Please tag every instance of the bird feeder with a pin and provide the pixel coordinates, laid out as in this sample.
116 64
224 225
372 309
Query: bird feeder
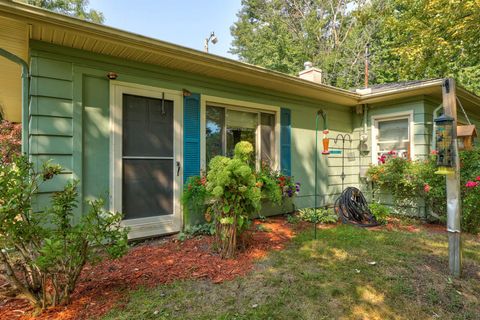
326 142
445 135
466 136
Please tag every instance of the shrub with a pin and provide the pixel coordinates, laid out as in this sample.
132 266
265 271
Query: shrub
10 140
275 186
380 212
44 252
194 199
410 180
232 185
319 215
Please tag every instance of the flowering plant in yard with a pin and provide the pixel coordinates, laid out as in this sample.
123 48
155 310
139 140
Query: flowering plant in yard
275 185
10 140
44 251
232 186
408 181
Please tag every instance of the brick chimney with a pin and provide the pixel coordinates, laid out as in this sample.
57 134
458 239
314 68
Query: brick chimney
310 73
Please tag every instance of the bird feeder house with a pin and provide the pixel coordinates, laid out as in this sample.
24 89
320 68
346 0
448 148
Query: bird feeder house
445 135
466 136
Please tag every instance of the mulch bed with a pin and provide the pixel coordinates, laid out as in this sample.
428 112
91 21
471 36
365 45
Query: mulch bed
105 285
164 260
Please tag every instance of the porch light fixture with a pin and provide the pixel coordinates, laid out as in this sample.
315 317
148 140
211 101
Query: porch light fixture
212 38
112 75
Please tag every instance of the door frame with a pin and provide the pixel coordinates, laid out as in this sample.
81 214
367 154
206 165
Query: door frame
157 225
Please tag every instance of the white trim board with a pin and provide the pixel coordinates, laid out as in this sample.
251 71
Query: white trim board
157 225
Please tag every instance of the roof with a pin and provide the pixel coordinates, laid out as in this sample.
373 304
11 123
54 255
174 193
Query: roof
75 33
466 131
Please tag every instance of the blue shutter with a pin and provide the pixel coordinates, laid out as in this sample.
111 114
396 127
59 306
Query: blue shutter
191 136
285 141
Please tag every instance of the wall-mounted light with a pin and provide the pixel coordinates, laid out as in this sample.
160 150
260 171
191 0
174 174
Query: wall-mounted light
112 75
186 93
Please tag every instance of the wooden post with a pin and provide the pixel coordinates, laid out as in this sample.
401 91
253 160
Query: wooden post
453 185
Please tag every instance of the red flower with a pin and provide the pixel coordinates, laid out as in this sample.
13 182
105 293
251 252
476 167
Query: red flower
471 184
426 187
477 178
434 152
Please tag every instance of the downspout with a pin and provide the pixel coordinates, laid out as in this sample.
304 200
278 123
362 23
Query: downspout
25 84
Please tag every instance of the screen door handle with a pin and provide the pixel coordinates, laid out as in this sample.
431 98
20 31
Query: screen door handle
178 168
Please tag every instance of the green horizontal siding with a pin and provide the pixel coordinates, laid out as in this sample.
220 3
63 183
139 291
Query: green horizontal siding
48 106
51 145
49 68
65 161
48 87
51 121
41 125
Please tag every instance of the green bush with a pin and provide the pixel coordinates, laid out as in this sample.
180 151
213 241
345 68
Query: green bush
44 252
380 212
194 199
233 187
408 181
319 215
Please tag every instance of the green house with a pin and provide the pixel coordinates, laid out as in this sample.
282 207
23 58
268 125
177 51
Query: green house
133 117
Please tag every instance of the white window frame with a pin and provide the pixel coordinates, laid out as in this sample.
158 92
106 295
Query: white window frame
388 117
156 225
240 105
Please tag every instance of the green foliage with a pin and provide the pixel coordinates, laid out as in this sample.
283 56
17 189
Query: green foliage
75 8
410 39
282 35
421 39
194 198
44 252
408 181
233 187
380 212
10 140
319 215
201 229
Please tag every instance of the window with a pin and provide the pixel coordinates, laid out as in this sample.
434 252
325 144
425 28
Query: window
392 135
225 127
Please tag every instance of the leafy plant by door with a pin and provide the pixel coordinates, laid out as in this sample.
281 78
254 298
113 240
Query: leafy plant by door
44 252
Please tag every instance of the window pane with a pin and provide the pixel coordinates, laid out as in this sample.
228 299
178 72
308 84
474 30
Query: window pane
241 126
393 135
267 125
215 122
393 130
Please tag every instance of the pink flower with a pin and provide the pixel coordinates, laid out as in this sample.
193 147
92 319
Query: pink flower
471 184
434 152
426 187
477 178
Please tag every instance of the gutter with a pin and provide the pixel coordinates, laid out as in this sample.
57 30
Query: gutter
25 84
367 98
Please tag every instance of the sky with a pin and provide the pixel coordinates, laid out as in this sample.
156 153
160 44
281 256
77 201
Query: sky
183 22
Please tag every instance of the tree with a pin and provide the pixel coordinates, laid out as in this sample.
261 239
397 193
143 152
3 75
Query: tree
421 39
75 8
410 39
282 35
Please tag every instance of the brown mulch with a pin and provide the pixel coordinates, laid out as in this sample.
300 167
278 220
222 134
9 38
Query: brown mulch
105 285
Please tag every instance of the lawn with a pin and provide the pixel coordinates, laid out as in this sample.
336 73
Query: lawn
348 273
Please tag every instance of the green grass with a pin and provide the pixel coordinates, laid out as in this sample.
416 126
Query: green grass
330 278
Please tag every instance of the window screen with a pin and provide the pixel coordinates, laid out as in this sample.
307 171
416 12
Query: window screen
393 135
